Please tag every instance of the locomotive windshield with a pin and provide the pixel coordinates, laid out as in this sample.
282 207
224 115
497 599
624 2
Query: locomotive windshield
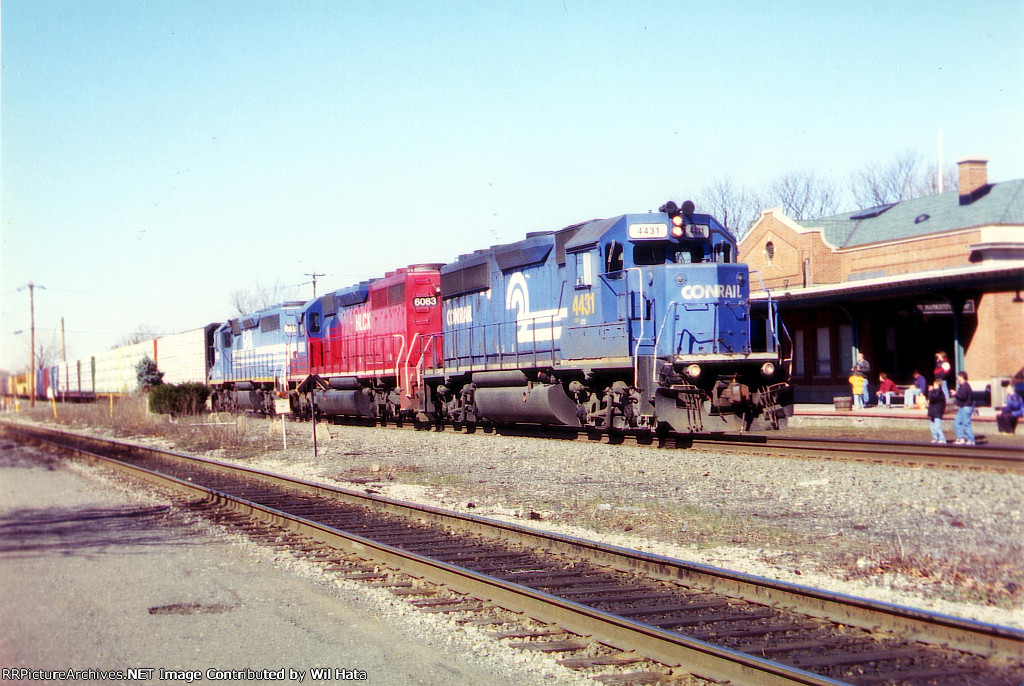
652 253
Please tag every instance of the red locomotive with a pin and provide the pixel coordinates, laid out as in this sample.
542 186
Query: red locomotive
366 346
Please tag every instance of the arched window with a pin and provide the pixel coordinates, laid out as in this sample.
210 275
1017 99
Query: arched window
769 251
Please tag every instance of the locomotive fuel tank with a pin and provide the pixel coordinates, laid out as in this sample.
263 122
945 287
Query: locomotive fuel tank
508 397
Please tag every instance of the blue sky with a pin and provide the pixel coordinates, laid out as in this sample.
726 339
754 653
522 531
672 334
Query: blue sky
158 156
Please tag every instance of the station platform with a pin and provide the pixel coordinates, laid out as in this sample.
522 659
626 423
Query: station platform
896 422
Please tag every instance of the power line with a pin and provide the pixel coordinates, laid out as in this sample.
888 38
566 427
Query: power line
313 275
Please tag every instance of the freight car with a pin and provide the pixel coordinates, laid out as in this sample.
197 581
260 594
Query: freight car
186 357
74 381
183 358
637 322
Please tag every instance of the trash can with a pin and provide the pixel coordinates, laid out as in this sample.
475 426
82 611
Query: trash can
843 403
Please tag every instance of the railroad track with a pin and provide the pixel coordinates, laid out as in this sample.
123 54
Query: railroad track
903 452
1006 458
600 604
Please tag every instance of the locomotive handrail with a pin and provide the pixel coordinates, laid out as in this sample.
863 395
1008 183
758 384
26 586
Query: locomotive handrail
771 313
405 367
672 306
398 362
639 338
536 356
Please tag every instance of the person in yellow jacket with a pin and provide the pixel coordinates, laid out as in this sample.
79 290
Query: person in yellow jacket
857 384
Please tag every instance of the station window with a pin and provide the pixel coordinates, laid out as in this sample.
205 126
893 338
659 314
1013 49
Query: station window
769 252
823 361
845 348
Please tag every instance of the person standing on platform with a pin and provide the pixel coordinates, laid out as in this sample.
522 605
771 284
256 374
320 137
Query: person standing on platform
936 408
886 390
863 368
857 383
965 408
941 372
920 387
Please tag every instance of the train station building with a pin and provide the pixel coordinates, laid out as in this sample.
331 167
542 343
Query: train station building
899 282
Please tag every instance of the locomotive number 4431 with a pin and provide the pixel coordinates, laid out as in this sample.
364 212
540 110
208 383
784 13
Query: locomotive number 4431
583 304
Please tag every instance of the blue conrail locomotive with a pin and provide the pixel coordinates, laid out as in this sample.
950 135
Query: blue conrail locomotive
640 322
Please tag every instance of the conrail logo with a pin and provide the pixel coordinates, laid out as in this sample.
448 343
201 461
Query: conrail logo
459 315
700 291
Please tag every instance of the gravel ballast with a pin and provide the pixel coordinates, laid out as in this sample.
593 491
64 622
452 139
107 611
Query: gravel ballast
947 540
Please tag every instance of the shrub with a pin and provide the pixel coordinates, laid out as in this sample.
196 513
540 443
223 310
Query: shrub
186 398
149 375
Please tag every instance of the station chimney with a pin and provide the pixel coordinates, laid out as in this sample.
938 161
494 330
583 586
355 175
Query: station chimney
973 182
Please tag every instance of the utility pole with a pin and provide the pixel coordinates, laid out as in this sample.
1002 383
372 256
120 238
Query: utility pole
313 276
32 315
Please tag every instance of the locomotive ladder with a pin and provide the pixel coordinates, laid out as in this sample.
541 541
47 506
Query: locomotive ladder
770 402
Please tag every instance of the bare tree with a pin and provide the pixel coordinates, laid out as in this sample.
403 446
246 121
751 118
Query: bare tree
247 301
927 182
47 353
736 207
803 195
143 332
881 183
902 178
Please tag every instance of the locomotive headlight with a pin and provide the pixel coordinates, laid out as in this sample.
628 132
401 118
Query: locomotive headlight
677 225
693 370
768 369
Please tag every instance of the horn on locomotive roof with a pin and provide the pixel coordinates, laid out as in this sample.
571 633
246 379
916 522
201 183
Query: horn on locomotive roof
672 209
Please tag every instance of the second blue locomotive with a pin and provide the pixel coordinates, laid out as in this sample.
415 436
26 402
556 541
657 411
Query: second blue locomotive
637 322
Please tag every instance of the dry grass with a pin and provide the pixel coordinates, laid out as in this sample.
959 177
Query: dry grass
129 417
